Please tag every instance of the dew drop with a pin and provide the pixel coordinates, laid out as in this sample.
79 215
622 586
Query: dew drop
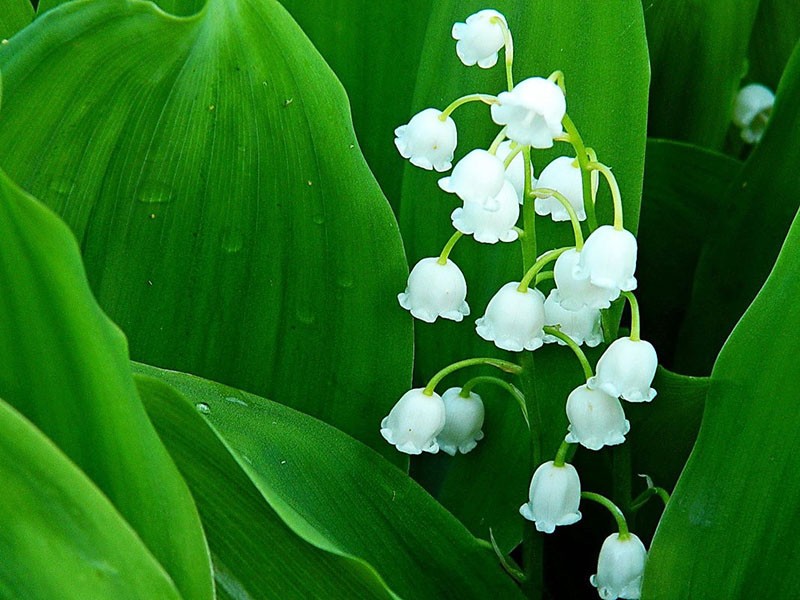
153 192
203 407
235 400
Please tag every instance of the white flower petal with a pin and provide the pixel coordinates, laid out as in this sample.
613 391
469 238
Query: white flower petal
554 497
435 290
463 422
620 568
533 111
626 370
480 38
427 141
513 319
414 422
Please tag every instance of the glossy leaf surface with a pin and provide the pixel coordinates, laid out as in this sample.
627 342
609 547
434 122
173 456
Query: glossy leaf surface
775 34
14 15
64 366
611 119
59 536
344 498
737 499
228 221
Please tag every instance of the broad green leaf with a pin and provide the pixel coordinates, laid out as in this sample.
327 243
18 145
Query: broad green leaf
698 52
65 366
743 243
374 48
59 536
175 7
228 221
342 497
14 15
607 99
775 34
684 193
732 529
255 554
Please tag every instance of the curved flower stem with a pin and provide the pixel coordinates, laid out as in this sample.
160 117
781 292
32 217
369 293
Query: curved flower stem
509 51
650 492
448 247
558 78
528 213
503 365
615 193
515 149
561 455
556 332
635 320
586 177
544 276
498 140
622 524
545 258
485 98
573 216
501 383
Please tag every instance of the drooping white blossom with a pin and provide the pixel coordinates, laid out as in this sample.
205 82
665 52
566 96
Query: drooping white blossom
427 141
515 172
489 226
626 370
576 292
563 175
595 419
478 177
480 38
463 422
608 260
435 290
533 111
582 325
513 319
414 422
751 111
620 568
554 497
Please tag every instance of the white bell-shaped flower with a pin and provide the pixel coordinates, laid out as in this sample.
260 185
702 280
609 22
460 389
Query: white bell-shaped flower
435 290
608 260
533 111
414 422
620 568
462 423
554 497
427 141
515 172
582 325
478 177
564 175
751 111
480 38
513 319
595 419
489 226
626 370
578 292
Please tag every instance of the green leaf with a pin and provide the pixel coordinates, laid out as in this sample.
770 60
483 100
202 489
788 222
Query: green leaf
64 366
775 34
59 536
684 194
737 499
255 554
344 498
743 243
374 48
698 57
228 221
612 119
14 15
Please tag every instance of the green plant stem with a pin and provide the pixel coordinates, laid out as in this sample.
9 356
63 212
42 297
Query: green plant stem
544 276
556 332
497 141
503 365
615 193
509 51
528 215
622 524
485 98
645 496
621 477
586 176
448 247
501 383
635 319
561 455
515 149
573 216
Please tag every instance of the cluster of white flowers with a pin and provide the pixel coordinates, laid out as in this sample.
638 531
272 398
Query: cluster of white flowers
494 186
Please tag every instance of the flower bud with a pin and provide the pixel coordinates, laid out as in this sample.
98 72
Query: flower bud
582 325
564 175
414 422
513 319
480 38
478 177
751 111
533 111
435 290
608 260
595 419
515 173
578 292
427 141
554 497
626 370
489 226
620 568
462 423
